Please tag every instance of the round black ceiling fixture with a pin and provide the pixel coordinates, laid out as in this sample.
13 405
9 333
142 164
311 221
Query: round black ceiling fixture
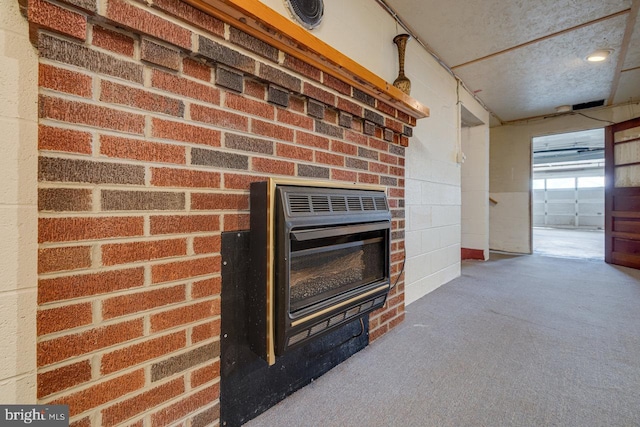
307 12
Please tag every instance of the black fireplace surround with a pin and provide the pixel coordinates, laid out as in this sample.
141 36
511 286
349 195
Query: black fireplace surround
322 254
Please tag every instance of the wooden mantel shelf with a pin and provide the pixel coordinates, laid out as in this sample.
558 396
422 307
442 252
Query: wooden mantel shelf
262 22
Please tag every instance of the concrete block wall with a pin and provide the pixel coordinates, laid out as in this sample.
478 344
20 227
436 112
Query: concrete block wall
153 121
18 207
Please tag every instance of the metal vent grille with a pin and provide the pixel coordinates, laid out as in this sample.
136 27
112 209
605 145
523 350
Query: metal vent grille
320 204
317 202
307 12
299 204
338 204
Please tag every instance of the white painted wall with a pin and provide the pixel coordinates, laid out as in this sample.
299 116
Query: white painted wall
364 31
18 207
510 175
475 189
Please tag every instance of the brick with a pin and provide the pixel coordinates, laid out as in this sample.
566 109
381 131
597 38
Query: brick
368 178
184 361
319 94
255 89
219 201
67 346
185 133
183 315
208 417
184 269
64 199
63 318
350 107
367 154
83 57
345 120
200 156
250 106
166 177
385 108
59 139
142 402
296 103
253 44
141 301
205 374
201 399
331 116
343 147
301 67
358 138
404 141
394 149
182 224
208 287
88 5
369 128
271 130
116 200
294 152
407 131
279 78
393 125
122 253
240 182
196 69
329 158
219 117
388 181
185 87
405 118
206 245
364 97
388 135
357 163
88 228
69 287
379 144
246 143
312 140
389 159
90 115
157 54
140 149
71 170
64 378
138 98
313 171
396 171
230 80
315 109
52 17
224 55
336 84
112 40
191 15
64 258
330 130
342 175
278 167
278 96
138 19
102 393
235 222
62 80
294 119
83 422
205 331
138 353
378 168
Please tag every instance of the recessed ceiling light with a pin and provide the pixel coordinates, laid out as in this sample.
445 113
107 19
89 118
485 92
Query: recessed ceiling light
599 55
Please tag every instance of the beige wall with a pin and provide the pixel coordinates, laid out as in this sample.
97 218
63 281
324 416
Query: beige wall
510 164
18 210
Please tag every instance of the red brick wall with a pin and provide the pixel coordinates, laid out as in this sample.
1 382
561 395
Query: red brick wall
153 123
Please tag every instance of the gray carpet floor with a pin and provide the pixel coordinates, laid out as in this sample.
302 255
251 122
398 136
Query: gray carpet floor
515 341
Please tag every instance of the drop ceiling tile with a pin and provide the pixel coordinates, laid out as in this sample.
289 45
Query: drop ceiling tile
628 87
632 59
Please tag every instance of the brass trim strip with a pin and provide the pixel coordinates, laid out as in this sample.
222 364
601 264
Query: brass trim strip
271 352
333 307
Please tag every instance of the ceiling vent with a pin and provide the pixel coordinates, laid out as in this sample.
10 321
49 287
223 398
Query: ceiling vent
586 105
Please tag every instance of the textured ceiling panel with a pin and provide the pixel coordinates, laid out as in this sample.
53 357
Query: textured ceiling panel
460 31
632 59
525 82
629 87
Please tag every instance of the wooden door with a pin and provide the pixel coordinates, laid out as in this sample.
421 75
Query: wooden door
622 194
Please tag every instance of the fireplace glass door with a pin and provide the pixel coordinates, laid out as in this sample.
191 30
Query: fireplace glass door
335 260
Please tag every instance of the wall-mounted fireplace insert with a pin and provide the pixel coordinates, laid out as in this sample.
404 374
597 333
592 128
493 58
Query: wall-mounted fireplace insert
326 255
